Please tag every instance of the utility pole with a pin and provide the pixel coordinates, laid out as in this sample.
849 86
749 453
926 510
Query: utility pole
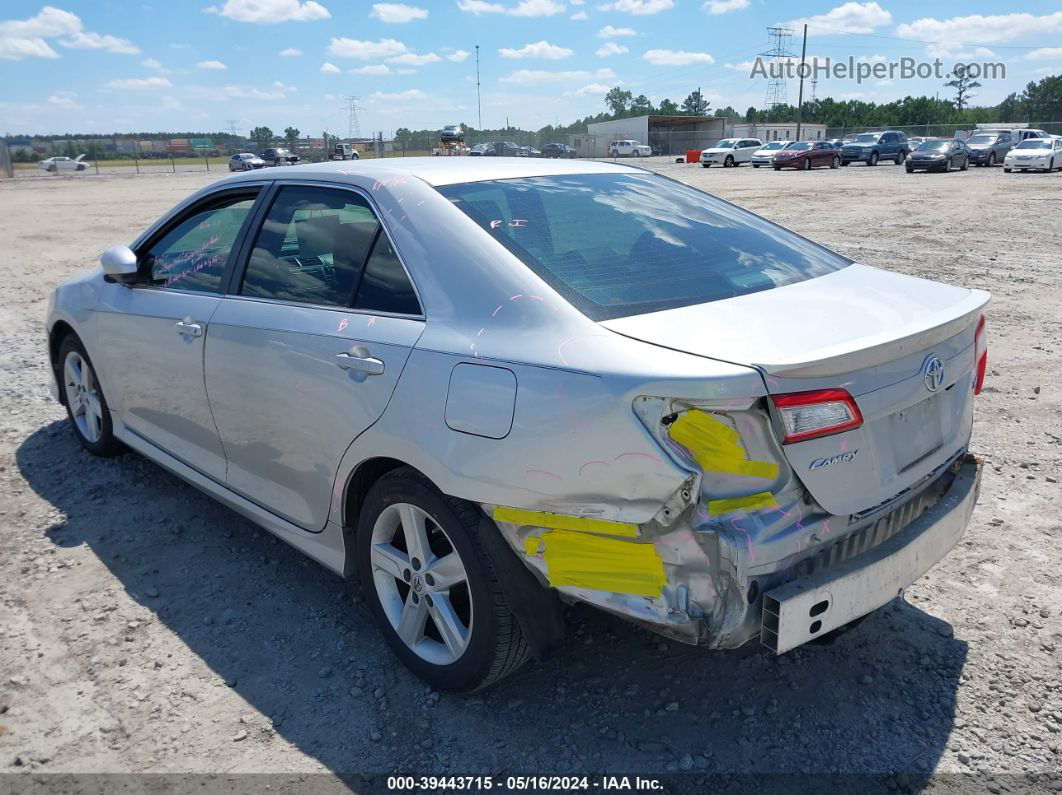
800 95
232 127
479 104
779 53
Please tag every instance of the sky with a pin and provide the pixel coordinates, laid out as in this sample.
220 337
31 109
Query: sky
194 65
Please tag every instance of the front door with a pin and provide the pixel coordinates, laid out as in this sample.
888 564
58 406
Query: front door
152 334
305 356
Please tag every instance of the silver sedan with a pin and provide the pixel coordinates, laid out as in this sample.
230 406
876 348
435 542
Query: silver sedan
488 387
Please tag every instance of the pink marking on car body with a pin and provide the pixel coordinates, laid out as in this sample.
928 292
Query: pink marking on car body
591 463
650 456
372 321
748 540
343 324
544 472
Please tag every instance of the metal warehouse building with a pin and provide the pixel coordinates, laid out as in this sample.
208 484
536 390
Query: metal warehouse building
674 135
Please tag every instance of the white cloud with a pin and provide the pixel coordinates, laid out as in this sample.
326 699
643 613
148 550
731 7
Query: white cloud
609 32
955 32
65 100
525 8
413 59
139 84
638 7
589 88
676 57
366 50
269 12
530 77
290 52
848 18
610 48
372 69
97 41
279 91
380 96
151 63
725 6
212 65
397 13
330 68
1044 53
538 49
169 103
457 56
579 15
25 38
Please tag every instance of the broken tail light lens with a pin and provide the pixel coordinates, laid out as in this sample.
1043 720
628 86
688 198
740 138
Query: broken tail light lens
980 355
809 415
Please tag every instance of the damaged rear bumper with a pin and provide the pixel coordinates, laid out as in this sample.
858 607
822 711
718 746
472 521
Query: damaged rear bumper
810 607
700 583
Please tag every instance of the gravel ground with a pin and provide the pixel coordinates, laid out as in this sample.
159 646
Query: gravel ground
144 628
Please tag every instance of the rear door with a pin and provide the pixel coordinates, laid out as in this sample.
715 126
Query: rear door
306 349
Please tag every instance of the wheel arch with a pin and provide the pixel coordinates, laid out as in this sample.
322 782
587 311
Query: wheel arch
59 331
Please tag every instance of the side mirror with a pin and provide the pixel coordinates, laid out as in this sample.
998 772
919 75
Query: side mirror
119 264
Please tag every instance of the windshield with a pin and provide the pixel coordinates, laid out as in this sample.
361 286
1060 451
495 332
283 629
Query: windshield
624 244
1034 143
865 138
774 145
982 139
933 145
800 145
726 143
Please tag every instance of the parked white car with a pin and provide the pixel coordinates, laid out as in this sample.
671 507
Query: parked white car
765 156
1044 154
731 152
247 161
629 149
54 165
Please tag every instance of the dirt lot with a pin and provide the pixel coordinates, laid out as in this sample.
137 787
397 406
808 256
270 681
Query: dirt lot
145 628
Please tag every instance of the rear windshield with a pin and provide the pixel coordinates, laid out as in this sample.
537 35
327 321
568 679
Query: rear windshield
624 244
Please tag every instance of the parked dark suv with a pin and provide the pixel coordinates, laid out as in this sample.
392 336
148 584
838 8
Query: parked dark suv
279 157
872 147
989 148
557 150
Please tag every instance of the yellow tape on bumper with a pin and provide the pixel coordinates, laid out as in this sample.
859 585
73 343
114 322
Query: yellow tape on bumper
753 502
717 447
600 564
558 521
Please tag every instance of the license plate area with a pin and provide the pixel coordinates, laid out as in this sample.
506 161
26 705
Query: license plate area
918 430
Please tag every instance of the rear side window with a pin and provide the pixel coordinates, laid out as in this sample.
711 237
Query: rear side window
385 286
624 244
312 247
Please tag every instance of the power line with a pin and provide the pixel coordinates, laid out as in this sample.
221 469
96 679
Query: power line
232 126
353 125
777 93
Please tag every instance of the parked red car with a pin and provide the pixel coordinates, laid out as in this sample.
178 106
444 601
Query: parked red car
806 155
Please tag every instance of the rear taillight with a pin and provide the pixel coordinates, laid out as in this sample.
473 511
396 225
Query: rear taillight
980 355
809 415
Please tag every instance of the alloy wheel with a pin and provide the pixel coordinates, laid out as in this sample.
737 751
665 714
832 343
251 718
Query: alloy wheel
83 397
421 583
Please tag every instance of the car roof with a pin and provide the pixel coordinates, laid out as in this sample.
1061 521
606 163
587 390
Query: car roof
437 171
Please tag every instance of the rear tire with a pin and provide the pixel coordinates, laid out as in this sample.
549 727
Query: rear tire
459 637
86 405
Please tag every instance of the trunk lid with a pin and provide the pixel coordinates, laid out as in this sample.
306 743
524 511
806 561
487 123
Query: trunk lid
868 331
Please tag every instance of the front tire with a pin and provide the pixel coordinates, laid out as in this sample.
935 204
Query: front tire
86 405
901 157
807 164
433 590
729 162
1006 170
835 162
965 164
873 161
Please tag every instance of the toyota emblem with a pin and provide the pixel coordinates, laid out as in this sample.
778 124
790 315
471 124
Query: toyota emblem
933 373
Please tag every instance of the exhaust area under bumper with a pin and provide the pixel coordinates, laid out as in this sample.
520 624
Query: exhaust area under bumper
809 607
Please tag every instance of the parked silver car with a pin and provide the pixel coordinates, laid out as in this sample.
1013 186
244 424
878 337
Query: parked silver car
491 386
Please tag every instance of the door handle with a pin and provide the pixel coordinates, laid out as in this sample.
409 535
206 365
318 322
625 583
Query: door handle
188 328
358 360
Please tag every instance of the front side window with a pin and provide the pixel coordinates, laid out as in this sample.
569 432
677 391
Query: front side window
193 254
311 247
624 244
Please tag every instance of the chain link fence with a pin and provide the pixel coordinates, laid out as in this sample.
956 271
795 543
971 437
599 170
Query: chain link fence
960 130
